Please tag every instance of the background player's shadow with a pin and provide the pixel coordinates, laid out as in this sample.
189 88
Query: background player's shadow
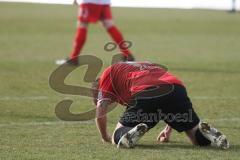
178 145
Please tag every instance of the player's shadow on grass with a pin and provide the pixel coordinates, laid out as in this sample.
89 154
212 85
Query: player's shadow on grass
176 145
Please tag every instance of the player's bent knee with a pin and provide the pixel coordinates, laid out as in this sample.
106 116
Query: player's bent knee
82 24
118 133
107 23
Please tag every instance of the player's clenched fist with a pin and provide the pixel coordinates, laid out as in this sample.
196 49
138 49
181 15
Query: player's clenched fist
165 134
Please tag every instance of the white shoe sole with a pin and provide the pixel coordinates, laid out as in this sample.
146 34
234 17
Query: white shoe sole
130 138
217 138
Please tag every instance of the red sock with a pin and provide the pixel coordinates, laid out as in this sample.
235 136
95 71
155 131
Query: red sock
118 38
80 38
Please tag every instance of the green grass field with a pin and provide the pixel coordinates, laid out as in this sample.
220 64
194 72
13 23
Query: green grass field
201 47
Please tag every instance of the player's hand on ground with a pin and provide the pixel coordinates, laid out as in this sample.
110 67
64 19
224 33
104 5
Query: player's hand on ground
107 139
164 135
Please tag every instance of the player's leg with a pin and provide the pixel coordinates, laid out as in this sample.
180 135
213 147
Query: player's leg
118 38
205 135
79 40
138 118
128 136
129 128
87 14
84 18
119 131
186 120
114 32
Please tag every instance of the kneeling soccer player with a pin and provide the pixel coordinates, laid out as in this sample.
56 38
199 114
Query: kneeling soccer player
150 94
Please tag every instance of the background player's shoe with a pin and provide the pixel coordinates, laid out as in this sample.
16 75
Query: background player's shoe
212 134
68 61
130 138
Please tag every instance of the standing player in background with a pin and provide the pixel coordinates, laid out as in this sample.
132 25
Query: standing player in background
92 11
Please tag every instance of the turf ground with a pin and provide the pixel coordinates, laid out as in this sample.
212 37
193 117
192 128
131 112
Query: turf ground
201 47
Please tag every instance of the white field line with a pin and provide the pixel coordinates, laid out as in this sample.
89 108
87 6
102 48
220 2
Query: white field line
214 98
58 123
18 98
54 123
235 119
29 98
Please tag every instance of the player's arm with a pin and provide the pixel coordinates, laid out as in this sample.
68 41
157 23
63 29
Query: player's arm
165 134
101 119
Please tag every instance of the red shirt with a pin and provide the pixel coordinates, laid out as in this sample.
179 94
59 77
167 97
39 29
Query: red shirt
121 81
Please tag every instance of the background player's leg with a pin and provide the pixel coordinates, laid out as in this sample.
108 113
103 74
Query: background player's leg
80 38
117 37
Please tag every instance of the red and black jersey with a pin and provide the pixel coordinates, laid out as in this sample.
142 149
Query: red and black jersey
121 81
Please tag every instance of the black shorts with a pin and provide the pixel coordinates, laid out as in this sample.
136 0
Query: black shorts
174 108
